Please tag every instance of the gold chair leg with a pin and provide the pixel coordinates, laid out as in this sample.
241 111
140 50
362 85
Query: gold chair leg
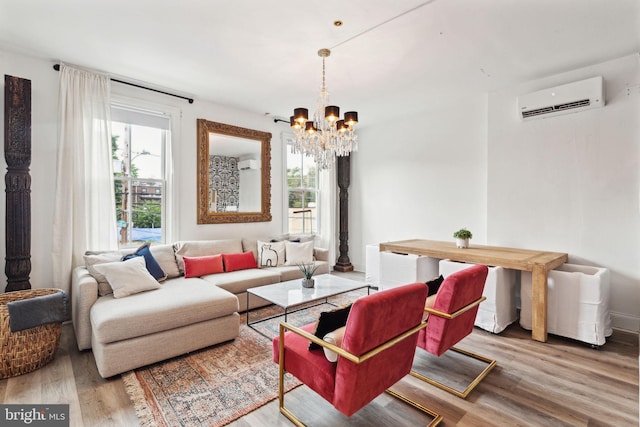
437 418
491 363
284 411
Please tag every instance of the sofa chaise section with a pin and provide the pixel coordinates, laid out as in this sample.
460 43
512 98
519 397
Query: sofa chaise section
182 316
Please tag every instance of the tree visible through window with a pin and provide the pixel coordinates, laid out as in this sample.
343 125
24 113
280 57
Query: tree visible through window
302 193
138 158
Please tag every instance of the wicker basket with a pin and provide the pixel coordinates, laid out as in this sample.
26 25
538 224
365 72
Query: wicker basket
30 349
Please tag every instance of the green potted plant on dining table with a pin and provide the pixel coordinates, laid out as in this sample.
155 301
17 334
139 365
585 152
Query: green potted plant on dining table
462 237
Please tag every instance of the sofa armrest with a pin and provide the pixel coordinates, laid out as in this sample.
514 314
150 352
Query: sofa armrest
84 293
321 254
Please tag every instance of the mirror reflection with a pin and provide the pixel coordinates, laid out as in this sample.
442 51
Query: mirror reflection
234 174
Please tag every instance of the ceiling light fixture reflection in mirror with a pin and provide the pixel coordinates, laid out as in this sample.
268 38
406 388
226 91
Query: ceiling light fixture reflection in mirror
234 174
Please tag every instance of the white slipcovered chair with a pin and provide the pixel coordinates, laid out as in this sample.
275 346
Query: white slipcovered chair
499 309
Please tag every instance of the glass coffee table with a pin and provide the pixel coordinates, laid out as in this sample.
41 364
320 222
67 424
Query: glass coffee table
292 297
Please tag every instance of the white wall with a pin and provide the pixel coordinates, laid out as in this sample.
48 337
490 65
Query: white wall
422 176
44 137
567 184
250 190
571 183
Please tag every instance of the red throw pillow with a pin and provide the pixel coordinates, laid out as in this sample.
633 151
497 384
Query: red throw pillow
243 261
199 266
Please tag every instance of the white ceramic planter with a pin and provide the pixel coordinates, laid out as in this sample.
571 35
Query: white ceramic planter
462 243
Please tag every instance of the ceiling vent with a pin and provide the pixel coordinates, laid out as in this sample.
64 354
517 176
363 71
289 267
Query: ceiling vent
565 99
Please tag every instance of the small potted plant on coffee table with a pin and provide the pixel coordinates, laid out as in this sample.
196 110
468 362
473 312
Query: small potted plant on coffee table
307 273
462 237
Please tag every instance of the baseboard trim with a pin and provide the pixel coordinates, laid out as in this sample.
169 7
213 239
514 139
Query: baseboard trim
625 322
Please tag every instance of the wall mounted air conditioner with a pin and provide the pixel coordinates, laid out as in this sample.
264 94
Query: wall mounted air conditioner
564 99
244 165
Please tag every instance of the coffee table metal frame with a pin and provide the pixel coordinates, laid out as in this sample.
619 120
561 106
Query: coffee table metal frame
291 295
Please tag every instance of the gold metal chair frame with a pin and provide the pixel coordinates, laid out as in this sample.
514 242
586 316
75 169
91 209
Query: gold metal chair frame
491 363
355 359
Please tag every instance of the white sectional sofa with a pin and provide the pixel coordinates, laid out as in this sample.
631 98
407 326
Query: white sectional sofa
177 315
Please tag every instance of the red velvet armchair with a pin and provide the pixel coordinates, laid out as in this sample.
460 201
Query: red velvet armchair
451 319
377 351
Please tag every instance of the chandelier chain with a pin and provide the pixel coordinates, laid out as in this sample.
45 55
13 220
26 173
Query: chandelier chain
324 86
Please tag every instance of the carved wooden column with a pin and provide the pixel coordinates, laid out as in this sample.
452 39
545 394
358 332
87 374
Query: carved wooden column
344 176
17 153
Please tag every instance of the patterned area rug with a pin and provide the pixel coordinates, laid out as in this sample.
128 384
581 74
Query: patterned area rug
219 384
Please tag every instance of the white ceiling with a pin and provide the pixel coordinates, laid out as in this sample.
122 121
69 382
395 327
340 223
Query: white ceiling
388 57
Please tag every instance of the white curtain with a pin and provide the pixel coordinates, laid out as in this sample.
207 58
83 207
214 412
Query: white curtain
329 212
84 212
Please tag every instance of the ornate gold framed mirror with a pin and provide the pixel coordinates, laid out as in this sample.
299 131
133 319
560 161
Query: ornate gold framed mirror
234 174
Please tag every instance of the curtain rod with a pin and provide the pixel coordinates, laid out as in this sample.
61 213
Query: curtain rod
57 68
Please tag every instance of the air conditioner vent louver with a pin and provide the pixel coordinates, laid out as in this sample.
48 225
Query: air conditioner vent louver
537 112
574 104
568 98
565 106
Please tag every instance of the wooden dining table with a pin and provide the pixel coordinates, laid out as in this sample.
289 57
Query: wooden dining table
539 263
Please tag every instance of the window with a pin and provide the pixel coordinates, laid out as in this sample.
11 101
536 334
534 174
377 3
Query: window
302 193
139 146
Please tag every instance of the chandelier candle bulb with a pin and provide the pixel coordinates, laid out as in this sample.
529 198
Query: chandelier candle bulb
293 123
324 136
301 115
332 113
351 118
310 128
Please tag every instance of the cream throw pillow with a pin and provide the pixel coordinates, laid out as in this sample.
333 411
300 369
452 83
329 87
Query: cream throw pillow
128 277
91 260
298 253
335 338
270 254
166 258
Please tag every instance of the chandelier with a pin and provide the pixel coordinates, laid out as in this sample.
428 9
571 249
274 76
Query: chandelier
325 136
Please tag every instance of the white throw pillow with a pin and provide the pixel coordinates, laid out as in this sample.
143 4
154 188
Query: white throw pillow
335 338
271 254
298 253
301 238
128 277
91 260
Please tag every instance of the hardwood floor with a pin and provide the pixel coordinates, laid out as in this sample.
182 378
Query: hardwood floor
558 383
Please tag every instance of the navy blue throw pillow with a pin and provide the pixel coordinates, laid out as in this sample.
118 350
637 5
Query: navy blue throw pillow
152 265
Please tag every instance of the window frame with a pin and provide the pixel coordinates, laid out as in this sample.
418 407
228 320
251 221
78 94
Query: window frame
287 137
170 138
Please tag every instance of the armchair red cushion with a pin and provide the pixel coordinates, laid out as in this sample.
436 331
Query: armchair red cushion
309 366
